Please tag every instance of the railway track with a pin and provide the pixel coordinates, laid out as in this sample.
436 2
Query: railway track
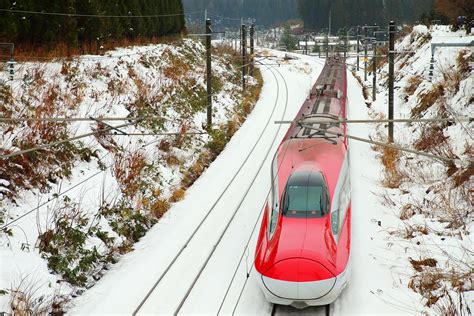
142 307
281 310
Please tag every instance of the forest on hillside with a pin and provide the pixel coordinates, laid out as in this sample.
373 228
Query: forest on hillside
315 13
265 12
89 21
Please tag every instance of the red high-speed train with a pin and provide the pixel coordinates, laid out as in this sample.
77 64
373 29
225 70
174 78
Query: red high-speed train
302 253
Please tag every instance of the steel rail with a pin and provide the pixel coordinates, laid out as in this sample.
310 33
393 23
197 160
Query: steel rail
242 199
198 227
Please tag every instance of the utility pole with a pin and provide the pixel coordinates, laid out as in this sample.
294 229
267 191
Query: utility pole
345 44
252 48
11 63
306 45
374 79
365 52
330 13
391 69
244 55
358 47
209 73
327 46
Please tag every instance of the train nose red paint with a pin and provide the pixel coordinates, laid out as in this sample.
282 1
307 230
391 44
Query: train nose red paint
299 279
299 270
302 254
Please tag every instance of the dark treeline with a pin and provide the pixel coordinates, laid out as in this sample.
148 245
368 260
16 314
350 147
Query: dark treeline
315 13
266 12
49 30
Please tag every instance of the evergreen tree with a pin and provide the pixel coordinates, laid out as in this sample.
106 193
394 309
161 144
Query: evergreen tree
50 30
287 39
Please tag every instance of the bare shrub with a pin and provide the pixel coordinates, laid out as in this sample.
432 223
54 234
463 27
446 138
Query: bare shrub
160 207
463 59
390 159
412 84
365 90
462 176
427 100
128 170
447 305
419 265
409 210
65 248
430 137
25 300
177 195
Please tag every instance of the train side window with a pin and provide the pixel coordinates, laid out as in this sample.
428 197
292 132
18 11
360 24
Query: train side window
274 203
341 199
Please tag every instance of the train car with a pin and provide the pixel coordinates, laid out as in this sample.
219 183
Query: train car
302 253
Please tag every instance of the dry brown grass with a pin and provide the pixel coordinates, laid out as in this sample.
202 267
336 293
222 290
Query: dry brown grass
160 207
430 281
412 84
25 300
409 210
177 195
365 90
32 52
461 177
430 137
427 100
177 68
390 159
128 170
419 265
407 29
463 61
197 168
172 160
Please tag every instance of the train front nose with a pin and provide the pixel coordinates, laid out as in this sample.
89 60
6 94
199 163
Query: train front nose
299 279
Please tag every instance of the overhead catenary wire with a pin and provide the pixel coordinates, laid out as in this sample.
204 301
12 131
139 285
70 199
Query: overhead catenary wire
98 15
372 142
45 146
252 232
57 196
198 227
229 222
51 199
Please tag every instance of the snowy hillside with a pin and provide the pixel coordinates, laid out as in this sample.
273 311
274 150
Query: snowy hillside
69 211
89 203
415 255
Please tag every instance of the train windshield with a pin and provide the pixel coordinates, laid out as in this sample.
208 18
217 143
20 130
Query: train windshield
305 195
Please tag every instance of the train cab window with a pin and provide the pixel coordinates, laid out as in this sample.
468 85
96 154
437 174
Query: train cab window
305 195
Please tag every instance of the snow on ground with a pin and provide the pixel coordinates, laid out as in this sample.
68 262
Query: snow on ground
124 81
381 269
387 237
374 287
122 289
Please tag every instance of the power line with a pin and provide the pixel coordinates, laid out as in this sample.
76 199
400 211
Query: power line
99 16
57 196
253 230
160 134
314 120
54 198
224 17
25 151
198 227
372 142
